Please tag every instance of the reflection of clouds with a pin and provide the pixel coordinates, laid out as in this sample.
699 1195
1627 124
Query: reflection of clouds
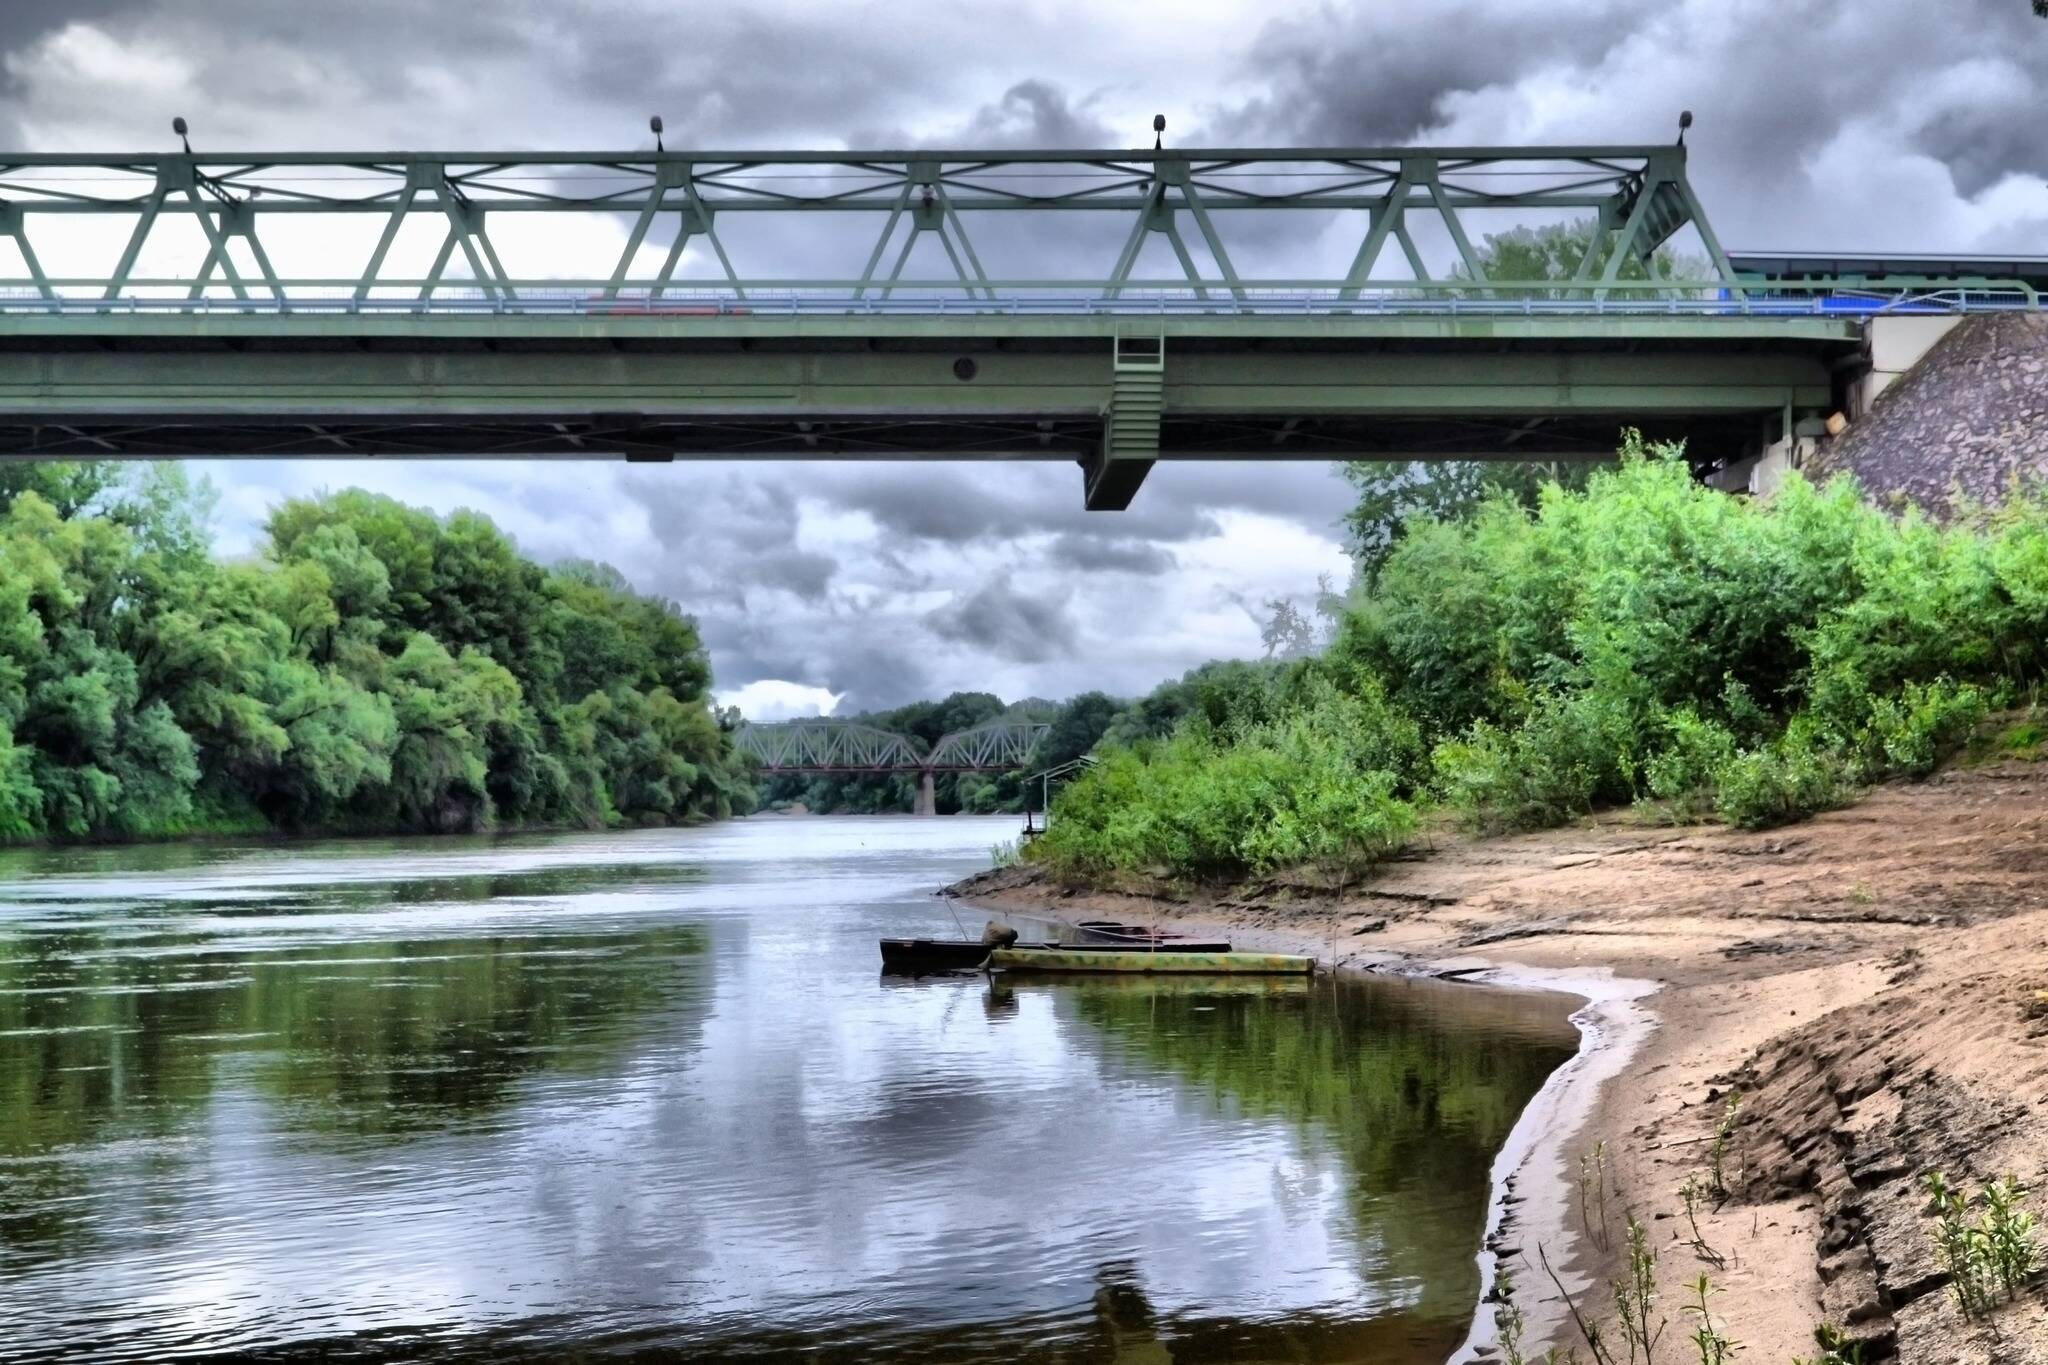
788 1146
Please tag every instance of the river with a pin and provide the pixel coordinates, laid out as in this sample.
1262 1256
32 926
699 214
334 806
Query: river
647 1095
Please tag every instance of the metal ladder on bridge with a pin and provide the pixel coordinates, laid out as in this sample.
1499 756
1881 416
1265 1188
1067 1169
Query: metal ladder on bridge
1130 422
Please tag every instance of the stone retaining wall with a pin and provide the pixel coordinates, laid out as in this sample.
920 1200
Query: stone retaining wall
1968 420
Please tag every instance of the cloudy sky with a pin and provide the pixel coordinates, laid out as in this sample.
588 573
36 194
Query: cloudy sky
1881 125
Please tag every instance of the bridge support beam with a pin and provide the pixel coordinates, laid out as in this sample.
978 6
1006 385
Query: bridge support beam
927 794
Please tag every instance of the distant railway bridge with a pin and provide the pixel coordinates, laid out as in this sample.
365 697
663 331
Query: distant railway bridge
823 745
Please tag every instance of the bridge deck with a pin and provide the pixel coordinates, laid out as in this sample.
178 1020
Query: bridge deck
976 387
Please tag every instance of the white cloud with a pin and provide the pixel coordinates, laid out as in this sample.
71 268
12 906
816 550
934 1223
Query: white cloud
772 699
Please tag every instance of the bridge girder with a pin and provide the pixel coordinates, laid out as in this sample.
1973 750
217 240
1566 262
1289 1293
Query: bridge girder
663 389
829 746
889 201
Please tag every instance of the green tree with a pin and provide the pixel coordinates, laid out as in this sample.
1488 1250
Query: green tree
381 668
1389 495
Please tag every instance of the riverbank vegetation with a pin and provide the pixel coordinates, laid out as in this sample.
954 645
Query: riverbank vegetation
374 668
1640 639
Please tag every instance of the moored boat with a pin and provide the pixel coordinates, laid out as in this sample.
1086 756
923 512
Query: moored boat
1113 932
941 955
1065 958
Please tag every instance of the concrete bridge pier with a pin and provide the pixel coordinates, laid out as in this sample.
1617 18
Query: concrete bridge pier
927 794
1892 346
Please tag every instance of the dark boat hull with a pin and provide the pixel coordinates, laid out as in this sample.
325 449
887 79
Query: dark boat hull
951 955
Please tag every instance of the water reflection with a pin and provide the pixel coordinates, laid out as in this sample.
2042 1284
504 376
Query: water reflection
643 1096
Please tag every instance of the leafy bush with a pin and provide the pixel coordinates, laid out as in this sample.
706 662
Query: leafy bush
1570 753
1799 775
1926 723
1644 637
1685 770
1315 787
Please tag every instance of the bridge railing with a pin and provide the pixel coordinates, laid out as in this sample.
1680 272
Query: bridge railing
1735 297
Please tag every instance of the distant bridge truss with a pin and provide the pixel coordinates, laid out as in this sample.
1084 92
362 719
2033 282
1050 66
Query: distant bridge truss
833 746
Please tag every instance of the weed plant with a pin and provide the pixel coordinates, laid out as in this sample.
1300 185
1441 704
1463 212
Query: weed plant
1836 1347
1713 1348
1724 1133
1692 1194
1990 1256
1593 1195
1635 1296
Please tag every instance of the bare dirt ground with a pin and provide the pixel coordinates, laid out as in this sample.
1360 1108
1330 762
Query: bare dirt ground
1866 982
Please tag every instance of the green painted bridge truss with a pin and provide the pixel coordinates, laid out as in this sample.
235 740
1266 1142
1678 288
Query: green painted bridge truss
1112 308
207 226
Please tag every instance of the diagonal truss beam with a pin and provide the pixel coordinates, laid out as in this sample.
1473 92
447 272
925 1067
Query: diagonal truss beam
825 745
1433 204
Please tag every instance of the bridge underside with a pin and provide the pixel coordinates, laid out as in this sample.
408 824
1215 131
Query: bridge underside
1111 394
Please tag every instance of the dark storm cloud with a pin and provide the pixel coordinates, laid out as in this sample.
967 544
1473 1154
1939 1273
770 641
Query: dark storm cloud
560 73
22 21
1120 554
1772 87
1037 113
1349 75
871 677
1031 113
961 504
802 572
1010 621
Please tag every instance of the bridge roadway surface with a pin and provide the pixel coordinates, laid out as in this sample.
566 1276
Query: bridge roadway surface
216 353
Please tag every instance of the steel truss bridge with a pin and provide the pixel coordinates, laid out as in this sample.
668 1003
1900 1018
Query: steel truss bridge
808 747
834 746
1107 307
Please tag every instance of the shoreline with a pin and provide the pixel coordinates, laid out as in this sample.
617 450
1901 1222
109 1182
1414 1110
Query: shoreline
1529 1186
1861 980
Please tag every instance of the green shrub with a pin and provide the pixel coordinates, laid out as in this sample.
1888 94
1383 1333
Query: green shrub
1799 775
1570 753
1926 723
1320 786
1641 638
1685 770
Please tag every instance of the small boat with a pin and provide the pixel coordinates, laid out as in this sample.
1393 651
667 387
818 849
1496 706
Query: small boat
951 955
1126 933
1065 958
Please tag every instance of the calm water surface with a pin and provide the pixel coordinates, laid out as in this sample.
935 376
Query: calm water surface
647 1096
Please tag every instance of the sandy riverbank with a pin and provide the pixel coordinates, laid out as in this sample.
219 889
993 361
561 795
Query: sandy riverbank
1866 981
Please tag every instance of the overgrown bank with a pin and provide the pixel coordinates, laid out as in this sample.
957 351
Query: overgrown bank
1867 981
1642 639
1628 660
375 668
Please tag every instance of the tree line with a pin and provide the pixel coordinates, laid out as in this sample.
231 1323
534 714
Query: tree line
373 668
1076 725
